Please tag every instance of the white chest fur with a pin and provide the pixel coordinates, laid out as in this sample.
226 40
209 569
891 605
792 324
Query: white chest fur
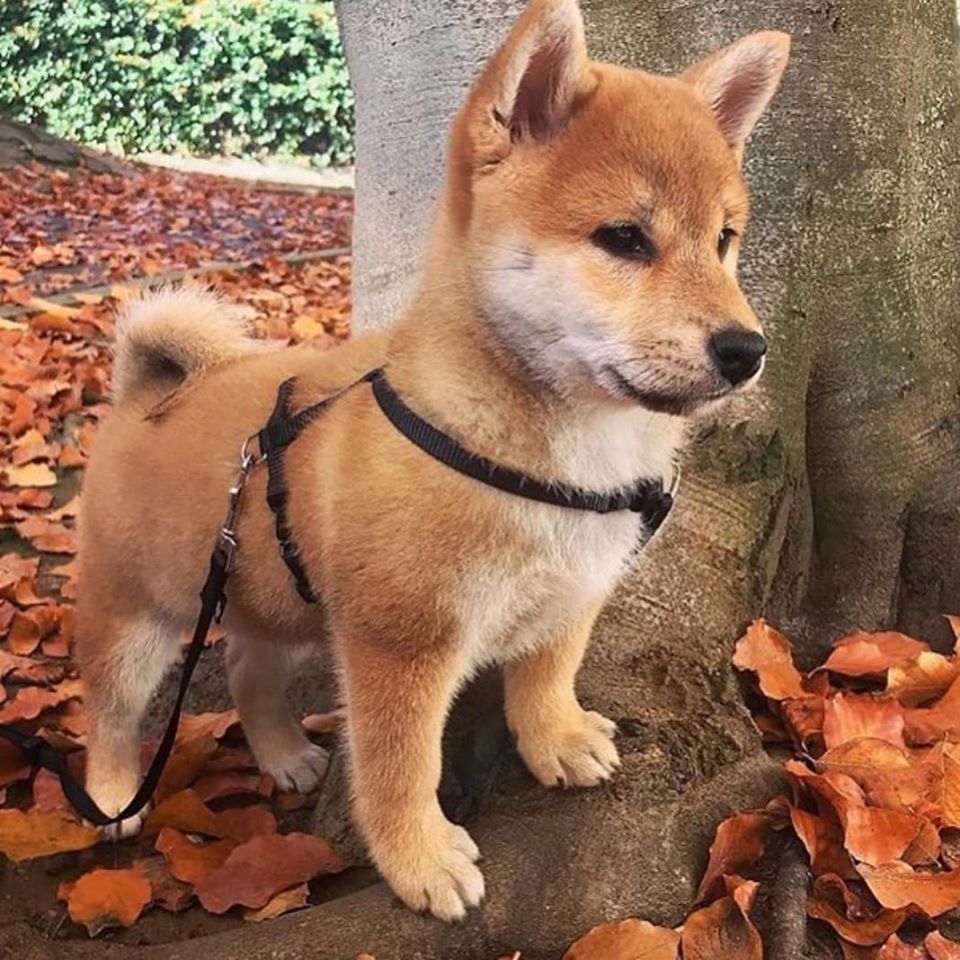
567 561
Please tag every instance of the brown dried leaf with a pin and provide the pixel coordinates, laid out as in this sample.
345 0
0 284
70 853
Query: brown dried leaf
722 930
25 836
168 892
940 948
897 884
293 899
824 844
626 940
769 654
258 869
738 843
187 812
872 654
190 860
864 933
918 681
30 475
851 716
875 836
216 725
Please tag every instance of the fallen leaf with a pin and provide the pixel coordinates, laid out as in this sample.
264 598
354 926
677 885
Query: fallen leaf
872 654
187 812
320 723
824 844
897 884
216 725
258 869
25 836
721 930
876 836
940 948
769 654
738 843
168 892
292 899
233 783
108 898
626 940
924 679
835 792
190 860
30 702
30 475
865 932
851 716
896 949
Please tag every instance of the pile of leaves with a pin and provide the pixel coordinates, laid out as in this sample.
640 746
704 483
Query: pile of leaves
875 802
216 835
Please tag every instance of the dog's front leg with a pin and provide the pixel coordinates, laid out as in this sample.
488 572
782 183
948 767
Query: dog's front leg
397 703
560 742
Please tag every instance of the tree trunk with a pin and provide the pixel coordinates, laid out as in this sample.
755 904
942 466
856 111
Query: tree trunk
828 501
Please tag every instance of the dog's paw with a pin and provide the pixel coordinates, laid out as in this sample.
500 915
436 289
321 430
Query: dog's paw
576 750
111 798
433 869
301 767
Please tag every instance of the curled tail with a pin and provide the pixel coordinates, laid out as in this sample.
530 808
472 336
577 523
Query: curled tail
172 334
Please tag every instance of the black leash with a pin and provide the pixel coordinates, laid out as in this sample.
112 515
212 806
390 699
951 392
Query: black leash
646 498
213 601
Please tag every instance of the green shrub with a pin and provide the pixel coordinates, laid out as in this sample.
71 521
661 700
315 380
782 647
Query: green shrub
206 76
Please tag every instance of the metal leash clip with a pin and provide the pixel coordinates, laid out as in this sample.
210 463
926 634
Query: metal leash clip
227 537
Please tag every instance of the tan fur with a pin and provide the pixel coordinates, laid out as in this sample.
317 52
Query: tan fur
425 574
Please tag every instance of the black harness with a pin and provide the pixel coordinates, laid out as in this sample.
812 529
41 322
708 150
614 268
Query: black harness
647 498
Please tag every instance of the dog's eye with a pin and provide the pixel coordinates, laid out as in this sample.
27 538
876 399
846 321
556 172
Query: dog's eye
627 240
723 241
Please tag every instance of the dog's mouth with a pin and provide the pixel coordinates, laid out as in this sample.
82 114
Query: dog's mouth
672 399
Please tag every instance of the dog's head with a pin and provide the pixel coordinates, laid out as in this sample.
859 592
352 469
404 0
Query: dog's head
601 211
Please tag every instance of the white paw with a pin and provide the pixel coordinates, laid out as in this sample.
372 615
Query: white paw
300 767
434 870
577 751
111 798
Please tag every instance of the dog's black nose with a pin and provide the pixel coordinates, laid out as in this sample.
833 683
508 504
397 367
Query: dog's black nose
737 353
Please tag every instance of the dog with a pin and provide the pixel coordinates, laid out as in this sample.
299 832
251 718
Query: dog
578 305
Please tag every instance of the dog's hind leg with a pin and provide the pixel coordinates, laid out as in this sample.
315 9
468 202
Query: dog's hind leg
122 665
258 672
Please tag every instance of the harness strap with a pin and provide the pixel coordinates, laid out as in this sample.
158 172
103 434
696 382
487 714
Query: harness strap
647 497
280 431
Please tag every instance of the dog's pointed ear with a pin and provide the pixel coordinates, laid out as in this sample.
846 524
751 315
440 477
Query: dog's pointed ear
528 89
738 81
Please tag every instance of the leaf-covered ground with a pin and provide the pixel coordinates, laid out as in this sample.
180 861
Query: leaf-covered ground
870 740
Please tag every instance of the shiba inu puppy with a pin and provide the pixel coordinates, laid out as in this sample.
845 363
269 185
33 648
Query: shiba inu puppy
578 304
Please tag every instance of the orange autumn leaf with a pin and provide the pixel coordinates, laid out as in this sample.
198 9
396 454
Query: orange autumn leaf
34 833
108 898
850 716
30 702
804 720
940 948
185 765
626 940
24 635
190 860
47 535
896 949
284 902
918 681
169 893
865 932
824 844
216 725
260 868
187 812
723 929
738 843
833 790
875 836
872 654
769 654
897 884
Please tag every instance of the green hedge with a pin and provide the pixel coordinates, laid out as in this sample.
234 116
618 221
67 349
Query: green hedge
241 77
